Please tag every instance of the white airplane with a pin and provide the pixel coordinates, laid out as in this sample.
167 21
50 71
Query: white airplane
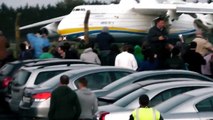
130 19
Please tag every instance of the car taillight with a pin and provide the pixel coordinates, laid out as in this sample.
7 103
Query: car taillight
103 115
42 96
6 81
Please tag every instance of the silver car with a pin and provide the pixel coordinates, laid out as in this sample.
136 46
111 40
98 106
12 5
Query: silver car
192 105
36 101
157 93
33 76
117 94
148 75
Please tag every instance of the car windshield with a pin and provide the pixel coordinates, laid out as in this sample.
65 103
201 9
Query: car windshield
6 69
122 92
21 77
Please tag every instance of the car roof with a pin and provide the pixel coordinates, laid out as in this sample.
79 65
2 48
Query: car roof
140 84
57 67
151 90
168 85
150 73
30 61
165 80
55 61
175 84
98 68
173 71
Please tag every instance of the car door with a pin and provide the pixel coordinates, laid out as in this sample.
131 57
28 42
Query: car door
205 108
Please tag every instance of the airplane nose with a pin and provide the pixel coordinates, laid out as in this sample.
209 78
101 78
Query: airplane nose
71 24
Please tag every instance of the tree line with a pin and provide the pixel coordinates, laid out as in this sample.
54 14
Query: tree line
33 14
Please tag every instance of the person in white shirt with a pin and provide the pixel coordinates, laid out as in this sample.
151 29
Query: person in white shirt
204 47
126 59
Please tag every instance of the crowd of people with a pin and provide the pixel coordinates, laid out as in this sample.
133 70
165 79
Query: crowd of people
157 52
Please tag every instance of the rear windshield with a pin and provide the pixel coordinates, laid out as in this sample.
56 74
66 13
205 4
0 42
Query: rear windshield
21 77
6 69
124 101
44 76
123 91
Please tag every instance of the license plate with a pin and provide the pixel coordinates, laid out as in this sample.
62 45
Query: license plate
26 99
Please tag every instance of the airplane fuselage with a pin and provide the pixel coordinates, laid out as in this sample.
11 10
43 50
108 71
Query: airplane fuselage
122 22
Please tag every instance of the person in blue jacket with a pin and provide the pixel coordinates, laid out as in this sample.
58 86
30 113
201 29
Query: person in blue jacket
38 41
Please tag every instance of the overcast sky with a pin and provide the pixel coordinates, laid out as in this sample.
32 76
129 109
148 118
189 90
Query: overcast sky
18 3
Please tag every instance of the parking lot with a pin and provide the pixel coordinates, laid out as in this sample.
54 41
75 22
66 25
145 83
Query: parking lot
117 88
5 113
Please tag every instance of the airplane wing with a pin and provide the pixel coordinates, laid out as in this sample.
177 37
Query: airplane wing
58 19
153 9
159 9
198 8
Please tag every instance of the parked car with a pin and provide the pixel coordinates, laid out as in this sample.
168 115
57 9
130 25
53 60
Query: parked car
117 94
8 70
33 76
157 93
148 75
35 102
196 104
192 105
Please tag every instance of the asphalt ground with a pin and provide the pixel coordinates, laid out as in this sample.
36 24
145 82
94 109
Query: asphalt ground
5 113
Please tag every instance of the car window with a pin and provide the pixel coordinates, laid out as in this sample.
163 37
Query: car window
205 105
44 76
118 75
21 78
6 69
97 80
165 95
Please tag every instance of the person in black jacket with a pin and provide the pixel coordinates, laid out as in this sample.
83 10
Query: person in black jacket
104 41
64 104
65 52
193 58
158 39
